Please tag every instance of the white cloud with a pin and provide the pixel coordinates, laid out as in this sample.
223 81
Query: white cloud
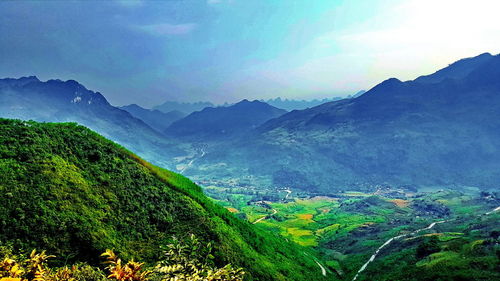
163 29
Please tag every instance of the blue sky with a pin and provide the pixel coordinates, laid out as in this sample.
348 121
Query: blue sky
147 52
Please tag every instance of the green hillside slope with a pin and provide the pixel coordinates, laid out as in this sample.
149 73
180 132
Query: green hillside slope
70 191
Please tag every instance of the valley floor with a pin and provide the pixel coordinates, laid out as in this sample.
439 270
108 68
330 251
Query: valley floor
357 232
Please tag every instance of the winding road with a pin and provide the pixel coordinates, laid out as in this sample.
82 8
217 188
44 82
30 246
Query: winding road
265 217
372 258
288 192
323 270
494 210
192 161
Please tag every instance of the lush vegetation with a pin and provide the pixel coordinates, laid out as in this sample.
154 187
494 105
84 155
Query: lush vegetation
189 260
70 191
348 227
471 253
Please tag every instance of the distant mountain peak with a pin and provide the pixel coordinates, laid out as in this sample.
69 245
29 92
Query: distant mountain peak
20 81
184 107
457 70
224 121
296 104
156 119
386 85
246 102
477 59
391 81
135 106
31 78
486 54
72 84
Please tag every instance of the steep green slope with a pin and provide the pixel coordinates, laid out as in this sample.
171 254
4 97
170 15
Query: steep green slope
70 191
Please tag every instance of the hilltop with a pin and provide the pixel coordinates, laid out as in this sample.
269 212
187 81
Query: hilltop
224 122
74 193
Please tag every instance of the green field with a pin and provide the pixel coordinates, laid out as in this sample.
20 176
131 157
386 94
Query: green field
348 227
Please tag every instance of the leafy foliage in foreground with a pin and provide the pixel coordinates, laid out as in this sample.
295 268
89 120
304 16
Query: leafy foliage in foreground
184 262
75 194
191 261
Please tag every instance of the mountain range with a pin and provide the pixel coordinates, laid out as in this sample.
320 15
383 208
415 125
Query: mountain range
340 181
440 129
292 104
156 119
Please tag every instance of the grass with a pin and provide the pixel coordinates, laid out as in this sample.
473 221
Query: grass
301 236
348 229
75 194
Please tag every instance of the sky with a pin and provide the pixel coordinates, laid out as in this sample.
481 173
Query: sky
148 52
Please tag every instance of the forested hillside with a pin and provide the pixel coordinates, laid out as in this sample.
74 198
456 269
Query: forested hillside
71 192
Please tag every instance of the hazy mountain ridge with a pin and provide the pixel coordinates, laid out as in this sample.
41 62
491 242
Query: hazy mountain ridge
293 104
456 70
184 107
156 119
224 122
400 133
435 133
28 98
397 133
